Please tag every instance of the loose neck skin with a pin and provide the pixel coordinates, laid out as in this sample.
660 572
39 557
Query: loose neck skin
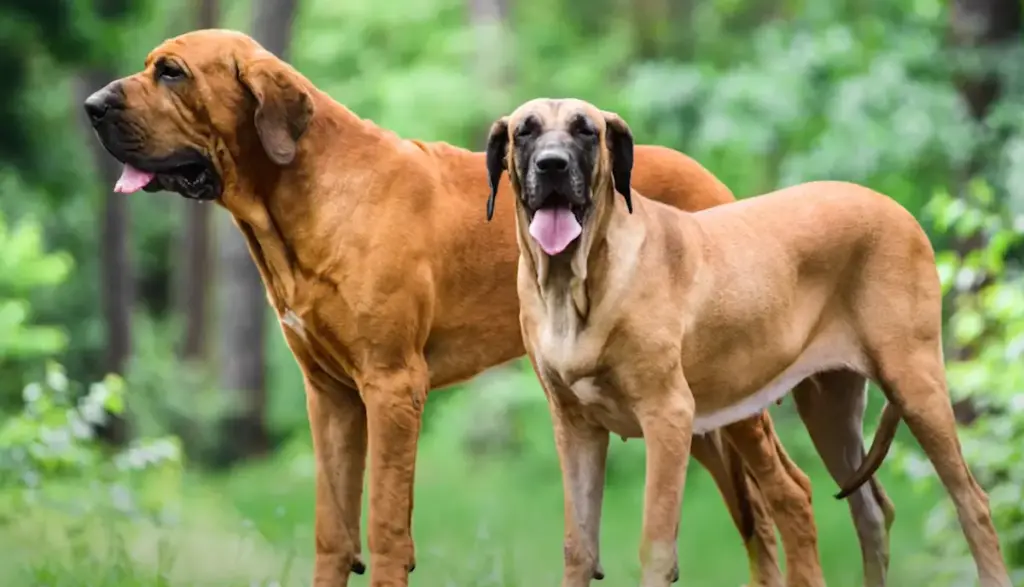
611 234
270 202
336 144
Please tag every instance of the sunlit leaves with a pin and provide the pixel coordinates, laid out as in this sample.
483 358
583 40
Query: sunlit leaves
989 323
53 438
25 266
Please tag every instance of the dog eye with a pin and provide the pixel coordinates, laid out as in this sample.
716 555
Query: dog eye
526 128
585 131
168 71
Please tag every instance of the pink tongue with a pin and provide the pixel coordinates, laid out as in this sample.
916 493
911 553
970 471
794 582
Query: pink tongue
554 229
132 180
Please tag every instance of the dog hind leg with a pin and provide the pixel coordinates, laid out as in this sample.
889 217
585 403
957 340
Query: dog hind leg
746 505
915 383
831 406
787 491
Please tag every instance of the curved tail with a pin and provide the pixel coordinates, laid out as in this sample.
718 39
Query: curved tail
889 421
738 478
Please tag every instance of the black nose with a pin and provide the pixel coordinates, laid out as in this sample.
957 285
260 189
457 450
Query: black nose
552 162
98 104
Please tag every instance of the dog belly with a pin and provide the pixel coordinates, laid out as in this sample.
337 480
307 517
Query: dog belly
814 360
456 356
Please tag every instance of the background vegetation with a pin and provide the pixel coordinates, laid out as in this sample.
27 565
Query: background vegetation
154 434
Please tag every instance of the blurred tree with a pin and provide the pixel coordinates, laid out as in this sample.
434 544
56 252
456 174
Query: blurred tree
243 303
651 27
33 32
26 266
193 266
116 268
488 19
66 34
116 274
983 30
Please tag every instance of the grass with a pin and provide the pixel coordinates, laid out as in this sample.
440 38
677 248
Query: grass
480 522
500 524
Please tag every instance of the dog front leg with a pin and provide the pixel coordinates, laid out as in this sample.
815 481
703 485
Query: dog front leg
394 401
582 453
665 414
337 420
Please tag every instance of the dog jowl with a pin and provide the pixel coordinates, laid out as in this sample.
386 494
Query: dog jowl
205 103
556 151
183 169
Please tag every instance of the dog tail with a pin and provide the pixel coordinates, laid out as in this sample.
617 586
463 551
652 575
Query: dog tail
738 477
884 435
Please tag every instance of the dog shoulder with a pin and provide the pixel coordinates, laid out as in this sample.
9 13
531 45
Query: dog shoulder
675 242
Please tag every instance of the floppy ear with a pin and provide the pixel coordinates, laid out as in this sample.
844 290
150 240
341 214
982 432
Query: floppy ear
620 145
497 150
283 107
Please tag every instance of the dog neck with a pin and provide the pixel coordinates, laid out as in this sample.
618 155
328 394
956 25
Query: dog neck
270 203
609 235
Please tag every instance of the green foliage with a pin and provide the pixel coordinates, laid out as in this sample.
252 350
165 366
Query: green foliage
25 268
818 96
38 34
53 437
50 461
371 57
988 322
171 396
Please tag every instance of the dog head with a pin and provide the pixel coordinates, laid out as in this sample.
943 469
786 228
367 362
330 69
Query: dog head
563 157
204 101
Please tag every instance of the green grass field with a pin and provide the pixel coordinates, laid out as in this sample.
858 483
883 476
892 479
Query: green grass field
478 522
486 521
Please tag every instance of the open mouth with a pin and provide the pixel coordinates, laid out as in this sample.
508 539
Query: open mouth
194 178
557 223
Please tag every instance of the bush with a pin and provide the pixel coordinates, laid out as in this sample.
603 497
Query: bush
54 472
987 321
25 268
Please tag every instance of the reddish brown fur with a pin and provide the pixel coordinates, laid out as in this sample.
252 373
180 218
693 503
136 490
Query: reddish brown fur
373 247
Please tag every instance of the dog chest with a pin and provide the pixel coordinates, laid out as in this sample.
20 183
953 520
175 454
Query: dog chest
567 349
313 352
587 391
598 402
292 321
592 395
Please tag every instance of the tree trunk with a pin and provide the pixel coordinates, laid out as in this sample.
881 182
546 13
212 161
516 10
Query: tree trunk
272 25
116 275
492 64
191 284
650 19
988 26
242 301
